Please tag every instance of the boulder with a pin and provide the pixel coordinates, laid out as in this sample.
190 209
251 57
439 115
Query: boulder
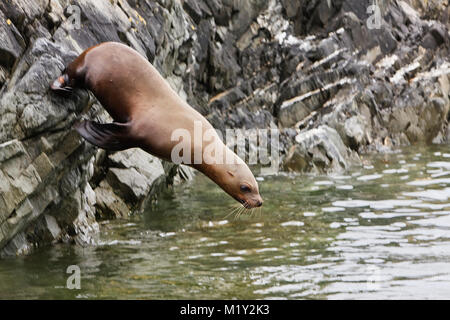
321 150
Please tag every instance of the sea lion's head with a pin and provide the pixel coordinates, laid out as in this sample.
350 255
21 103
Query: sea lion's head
233 175
238 181
244 188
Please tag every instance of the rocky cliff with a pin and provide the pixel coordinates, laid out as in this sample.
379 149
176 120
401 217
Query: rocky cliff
338 78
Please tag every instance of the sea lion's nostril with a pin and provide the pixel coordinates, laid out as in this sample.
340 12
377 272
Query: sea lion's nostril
259 203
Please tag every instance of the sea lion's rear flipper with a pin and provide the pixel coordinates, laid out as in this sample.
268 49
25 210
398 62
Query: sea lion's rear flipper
110 136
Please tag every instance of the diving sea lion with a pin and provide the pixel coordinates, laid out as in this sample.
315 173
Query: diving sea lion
146 113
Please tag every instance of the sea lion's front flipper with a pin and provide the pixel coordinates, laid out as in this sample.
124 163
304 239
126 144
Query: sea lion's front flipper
110 136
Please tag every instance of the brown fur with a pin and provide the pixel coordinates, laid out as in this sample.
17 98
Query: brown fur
146 111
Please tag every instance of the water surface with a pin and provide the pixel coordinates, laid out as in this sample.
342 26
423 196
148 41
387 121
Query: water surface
378 231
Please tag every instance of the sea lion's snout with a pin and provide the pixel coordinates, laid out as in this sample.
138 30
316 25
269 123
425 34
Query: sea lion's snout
258 202
251 202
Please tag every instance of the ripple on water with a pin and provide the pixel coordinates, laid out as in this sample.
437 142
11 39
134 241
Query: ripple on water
293 224
440 174
391 171
166 234
368 234
344 187
218 254
390 215
437 222
333 209
375 204
369 177
233 259
335 225
324 183
120 242
439 164
433 194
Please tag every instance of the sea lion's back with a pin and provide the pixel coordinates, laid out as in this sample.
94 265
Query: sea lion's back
118 67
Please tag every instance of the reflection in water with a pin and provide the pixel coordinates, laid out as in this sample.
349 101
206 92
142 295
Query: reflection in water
379 231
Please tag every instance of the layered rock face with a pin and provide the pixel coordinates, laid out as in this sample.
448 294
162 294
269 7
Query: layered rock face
337 78
53 185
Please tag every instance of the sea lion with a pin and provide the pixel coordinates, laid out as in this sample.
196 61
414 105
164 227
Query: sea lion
146 113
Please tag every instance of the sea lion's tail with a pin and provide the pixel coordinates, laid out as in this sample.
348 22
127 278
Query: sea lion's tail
110 136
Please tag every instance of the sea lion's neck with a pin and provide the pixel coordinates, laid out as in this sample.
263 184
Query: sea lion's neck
209 170
217 170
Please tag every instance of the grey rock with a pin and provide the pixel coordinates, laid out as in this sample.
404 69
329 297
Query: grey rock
292 112
147 165
221 10
130 184
321 150
291 7
10 149
410 13
11 42
109 205
437 36
246 12
356 131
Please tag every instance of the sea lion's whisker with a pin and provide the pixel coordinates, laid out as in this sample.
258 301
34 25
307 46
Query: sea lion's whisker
240 212
233 210
244 210
228 214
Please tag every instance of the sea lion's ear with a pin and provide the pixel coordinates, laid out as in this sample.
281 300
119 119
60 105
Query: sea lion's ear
230 173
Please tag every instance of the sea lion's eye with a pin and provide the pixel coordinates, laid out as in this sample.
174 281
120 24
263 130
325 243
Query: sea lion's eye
245 188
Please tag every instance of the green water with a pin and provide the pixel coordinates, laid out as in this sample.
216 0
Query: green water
379 231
